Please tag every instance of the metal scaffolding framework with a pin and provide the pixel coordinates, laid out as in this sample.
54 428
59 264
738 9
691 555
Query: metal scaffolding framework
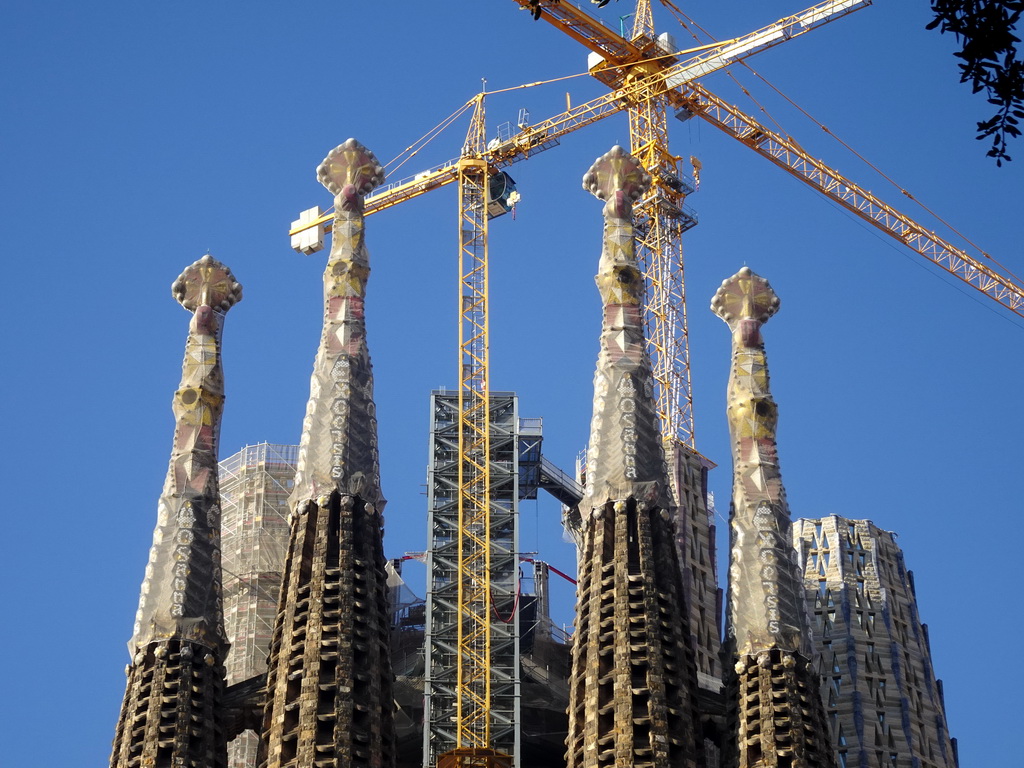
453 643
660 220
254 487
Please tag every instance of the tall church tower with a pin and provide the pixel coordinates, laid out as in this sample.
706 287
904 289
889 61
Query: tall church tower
329 700
633 682
775 711
171 714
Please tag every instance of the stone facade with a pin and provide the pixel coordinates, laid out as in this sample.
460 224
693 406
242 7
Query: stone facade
329 683
632 688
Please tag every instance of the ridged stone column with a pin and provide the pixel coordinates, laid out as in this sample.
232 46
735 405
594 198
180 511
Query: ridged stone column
329 701
775 708
633 680
171 715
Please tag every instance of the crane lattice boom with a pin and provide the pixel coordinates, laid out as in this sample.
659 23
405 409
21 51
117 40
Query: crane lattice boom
788 155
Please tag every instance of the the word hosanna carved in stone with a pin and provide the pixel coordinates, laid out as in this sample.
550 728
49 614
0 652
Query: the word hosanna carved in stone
633 680
329 681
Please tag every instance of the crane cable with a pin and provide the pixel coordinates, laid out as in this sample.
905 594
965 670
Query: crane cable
682 19
426 138
885 176
551 568
515 603
698 49
539 82
414 148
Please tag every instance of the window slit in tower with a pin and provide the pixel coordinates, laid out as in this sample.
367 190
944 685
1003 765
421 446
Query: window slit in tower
632 539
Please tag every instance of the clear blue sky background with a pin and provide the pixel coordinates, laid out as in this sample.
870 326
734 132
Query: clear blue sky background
138 135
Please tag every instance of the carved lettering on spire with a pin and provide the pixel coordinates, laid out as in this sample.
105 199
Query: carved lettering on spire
633 681
181 595
171 713
625 457
338 450
333 626
773 691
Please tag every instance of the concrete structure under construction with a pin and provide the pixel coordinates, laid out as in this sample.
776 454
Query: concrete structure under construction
883 701
695 540
255 484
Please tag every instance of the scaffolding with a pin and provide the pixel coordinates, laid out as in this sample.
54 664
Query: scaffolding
443 578
254 484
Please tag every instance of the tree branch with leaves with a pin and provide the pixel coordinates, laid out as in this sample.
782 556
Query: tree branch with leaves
990 63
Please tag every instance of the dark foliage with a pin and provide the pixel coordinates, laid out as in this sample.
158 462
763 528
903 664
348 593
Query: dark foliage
990 62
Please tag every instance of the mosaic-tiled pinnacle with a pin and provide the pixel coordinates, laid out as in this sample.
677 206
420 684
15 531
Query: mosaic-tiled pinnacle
171 714
338 450
329 699
633 678
625 457
775 709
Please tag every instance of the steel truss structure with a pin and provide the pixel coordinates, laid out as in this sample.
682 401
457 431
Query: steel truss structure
455 640
254 488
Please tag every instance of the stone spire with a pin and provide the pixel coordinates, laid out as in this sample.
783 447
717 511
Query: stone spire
776 710
633 678
329 699
171 714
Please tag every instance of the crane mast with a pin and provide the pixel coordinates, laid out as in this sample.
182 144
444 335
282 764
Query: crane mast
660 221
642 73
473 681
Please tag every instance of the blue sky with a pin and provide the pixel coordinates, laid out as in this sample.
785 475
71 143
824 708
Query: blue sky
137 136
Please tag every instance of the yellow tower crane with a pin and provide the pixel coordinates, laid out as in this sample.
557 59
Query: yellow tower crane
660 220
474 663
677 82
647 77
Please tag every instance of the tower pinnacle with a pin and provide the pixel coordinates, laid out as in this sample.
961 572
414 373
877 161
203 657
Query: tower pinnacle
329 697
338 449
625 457
171 714
633 679
776 711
